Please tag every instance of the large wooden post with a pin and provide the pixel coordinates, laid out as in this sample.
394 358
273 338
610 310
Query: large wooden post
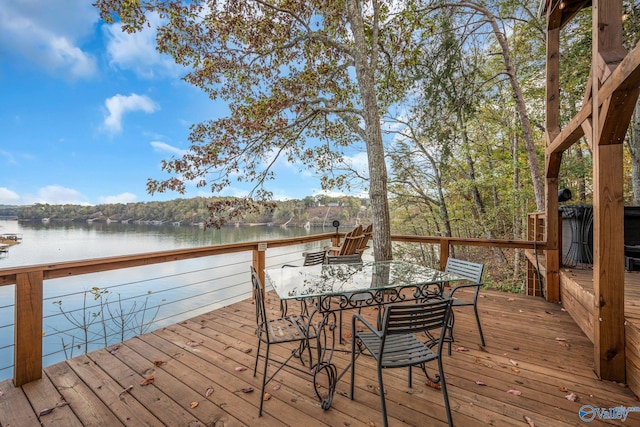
445 247
608 202
28 328
553 160
259 260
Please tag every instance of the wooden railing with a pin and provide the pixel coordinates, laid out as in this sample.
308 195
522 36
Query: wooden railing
29 281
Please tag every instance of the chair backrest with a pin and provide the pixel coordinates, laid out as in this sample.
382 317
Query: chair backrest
357 231
360 242
471 271
344 259
368 234
258 298
352 241
403 318
314 258
350 245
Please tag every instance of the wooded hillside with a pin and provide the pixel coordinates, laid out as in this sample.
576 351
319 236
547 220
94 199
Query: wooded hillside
316 211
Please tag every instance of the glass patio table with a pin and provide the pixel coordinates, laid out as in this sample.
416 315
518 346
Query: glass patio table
329 288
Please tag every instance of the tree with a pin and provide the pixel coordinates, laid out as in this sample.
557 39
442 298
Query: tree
481 15
304 80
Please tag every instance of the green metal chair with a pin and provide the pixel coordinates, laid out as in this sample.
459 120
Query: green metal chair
395 345
472 272
310 258
278 331
355 258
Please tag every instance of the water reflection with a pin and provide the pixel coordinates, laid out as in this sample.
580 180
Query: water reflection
70 241
184 288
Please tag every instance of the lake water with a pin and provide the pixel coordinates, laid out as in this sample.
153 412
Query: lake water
165 293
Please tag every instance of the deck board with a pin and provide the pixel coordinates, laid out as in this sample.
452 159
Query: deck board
579 299
533 346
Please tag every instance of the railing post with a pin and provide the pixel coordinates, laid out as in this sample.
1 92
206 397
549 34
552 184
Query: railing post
28 328
258 260
444 252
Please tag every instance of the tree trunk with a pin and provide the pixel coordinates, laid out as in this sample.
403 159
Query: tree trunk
530 147
582 178
521 107
365 65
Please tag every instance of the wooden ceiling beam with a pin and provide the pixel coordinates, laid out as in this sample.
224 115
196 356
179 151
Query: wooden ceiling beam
624 78
571 9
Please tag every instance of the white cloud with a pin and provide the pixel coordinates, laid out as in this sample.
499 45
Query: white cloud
118 105
359 163
118 198
56 195
329 193
49 34
72 58
137 52
8 197
161 147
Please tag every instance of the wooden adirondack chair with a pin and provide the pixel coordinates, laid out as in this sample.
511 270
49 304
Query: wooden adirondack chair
351 243
367 234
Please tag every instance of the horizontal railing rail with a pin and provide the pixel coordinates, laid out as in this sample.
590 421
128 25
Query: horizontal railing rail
29 281
445 243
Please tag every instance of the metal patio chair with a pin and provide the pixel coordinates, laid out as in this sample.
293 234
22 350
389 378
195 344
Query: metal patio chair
344 259
355 258
284 330
310 258
472 272
394 345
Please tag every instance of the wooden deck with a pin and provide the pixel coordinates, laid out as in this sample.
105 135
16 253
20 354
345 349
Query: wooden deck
578 297
533 347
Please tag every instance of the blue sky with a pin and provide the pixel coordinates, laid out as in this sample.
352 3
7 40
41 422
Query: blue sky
87 112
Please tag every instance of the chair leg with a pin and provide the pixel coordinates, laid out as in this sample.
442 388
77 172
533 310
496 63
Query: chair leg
255 367
340 320
383 403
340 327
479 326
264 381
449 332
445 395
353 367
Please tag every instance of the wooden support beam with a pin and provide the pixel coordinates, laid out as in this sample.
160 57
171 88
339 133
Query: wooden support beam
445 248
552 228
576 7
608 265
553 160
553 80
552 129
588 131
616 115
608 203
572 132
626 76
28 328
